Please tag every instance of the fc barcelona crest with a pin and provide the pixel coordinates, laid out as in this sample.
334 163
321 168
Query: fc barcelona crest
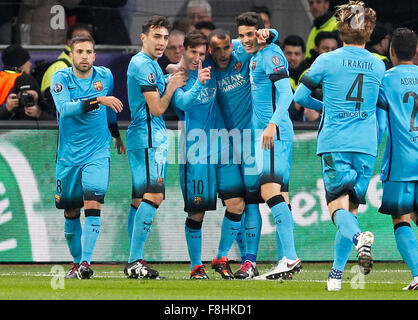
98 86
237 66
254 65
197 200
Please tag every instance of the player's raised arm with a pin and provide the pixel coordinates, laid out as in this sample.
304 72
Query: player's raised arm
184 99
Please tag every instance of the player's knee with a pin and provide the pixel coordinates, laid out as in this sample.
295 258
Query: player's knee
156 198
270 190
196 216
235 205
136 202
72 213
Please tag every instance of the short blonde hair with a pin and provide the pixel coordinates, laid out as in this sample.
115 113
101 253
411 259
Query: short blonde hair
355 22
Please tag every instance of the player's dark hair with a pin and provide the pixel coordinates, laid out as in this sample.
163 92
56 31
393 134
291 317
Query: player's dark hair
220 34
205 25
78 26
294 41
261 9
156 21
194 39
404 43
327 35
251 19
81 39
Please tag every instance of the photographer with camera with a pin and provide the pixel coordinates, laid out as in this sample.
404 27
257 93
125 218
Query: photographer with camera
20 95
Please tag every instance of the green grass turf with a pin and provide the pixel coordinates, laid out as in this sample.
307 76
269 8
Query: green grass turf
35 282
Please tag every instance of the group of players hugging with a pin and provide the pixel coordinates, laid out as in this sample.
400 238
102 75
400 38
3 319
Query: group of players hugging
240 89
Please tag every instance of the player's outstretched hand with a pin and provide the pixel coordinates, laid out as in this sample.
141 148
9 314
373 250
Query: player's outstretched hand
111 102
119 146
267 140
203 74
177 79
262 35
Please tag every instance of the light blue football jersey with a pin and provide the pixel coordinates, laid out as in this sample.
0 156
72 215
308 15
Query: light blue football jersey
234 89
146 130
350 78
200 114
399 97
266 67
83 136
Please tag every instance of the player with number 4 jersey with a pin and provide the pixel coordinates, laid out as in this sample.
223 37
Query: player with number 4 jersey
347 138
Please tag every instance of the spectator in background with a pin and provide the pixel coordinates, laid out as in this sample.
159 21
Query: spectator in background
205 26
63 60
294 50
174 50
36 18
379 44
324 20
8 10
20 95
172 55
265 15
184 25
199 10
324 42
105 20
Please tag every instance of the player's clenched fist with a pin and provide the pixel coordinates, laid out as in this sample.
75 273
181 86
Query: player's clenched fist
203 74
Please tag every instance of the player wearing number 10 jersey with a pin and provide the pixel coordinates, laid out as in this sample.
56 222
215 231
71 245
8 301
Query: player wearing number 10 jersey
347 138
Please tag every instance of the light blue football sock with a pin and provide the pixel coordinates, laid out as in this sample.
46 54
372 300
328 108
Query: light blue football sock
241 241
131 220
252 230
347 224
72 232
193 231
407 246
91 231
140 232
342 250
231 225
284 228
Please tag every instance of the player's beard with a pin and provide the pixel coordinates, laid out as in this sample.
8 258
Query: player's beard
83 68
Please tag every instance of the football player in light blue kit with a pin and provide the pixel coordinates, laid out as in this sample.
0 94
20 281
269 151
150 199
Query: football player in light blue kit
347 138
149 94
206 168
272 95
234 98
398 106
81 94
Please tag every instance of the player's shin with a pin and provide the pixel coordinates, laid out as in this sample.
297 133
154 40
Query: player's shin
407 245
141 228
91 231
72 232
284 225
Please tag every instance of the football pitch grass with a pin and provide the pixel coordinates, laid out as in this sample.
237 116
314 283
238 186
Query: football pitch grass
45 282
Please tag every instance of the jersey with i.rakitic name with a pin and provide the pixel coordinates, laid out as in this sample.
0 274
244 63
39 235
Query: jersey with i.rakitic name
83 136
350 78
146 130
399 97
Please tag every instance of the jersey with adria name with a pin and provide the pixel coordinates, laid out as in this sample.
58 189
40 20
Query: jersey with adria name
267 61
83 137
399 97
146 130
350 78
234 89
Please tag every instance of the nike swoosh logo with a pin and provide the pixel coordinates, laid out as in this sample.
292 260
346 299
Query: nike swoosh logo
148 224
250 228
95 225
292 265
235 229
